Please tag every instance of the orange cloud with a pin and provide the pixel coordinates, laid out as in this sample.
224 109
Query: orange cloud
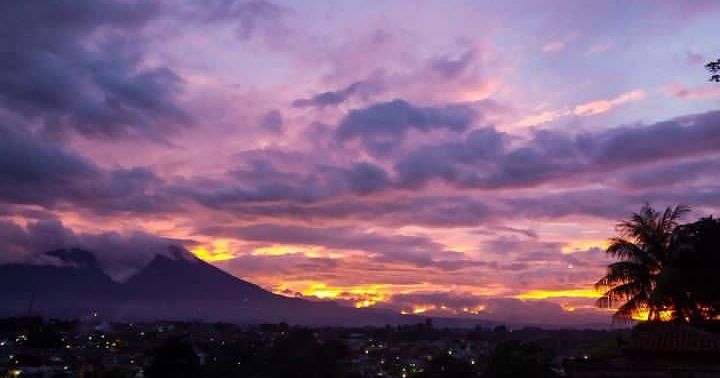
281 249
360 296
549 294
218 250
582 110
540 118
583 245
602 106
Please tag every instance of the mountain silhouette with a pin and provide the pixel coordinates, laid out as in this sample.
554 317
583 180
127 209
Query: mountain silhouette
162 280
74 281
173 286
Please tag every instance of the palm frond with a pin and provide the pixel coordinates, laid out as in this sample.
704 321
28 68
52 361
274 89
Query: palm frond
623 272
623 249
625 312
623 292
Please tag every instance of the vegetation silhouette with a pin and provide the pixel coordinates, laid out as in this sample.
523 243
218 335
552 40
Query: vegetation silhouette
175 359
714 68
665 269
296 352
445 366
519 359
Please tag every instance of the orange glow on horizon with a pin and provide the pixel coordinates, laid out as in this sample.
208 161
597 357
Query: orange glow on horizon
219 250
365 303
360 296
474 310
549 294
422 309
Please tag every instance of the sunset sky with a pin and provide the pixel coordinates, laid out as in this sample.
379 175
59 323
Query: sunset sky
441 157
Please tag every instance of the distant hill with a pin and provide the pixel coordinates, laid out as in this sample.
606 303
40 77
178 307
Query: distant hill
174 286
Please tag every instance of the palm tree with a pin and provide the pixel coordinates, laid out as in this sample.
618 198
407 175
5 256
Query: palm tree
644 248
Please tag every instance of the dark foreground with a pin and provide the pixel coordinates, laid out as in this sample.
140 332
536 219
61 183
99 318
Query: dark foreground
33 347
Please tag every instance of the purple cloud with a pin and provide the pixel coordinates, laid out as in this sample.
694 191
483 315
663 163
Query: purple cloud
382 126
362 89
63 66
453 67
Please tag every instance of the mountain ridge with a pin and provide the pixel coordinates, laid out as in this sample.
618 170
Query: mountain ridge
174 286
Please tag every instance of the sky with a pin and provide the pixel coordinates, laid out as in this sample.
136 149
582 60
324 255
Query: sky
455 158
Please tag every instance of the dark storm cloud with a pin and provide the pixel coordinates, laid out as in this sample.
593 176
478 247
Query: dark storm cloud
690 135
681 150
335 237
560 156
361 89
364 178
66 65
671 173
81 65
552 155
261 181
30 242
133 190
524 166
466 211
37 172
611 203
453 162
382 126
603 203
429 211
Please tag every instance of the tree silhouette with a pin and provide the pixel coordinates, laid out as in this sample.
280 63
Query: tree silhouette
175 359
714 68
692 279
519 359
644 249
445 366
